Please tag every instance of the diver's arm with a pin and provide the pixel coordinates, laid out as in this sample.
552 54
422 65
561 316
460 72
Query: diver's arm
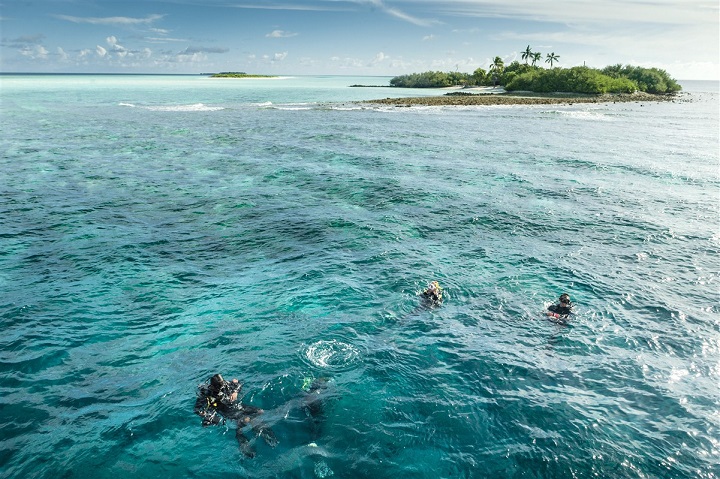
235 388
200 404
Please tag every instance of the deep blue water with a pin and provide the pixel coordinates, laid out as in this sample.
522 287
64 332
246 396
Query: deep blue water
156 230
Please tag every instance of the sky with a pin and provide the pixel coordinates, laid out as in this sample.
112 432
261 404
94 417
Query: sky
354 37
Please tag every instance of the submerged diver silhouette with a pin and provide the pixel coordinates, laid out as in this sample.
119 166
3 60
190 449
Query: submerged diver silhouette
313 404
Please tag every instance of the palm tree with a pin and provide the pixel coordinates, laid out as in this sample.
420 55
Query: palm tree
551 57
496 67
536 56
527 54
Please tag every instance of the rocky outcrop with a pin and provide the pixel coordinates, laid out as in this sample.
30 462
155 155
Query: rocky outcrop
521 99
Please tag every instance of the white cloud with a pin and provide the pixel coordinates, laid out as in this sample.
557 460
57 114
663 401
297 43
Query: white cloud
165 40
661 33
338 6
34 52
380 57
111 20
190 55
194 50
688 12
112 41
117 49
292 6
194 58
653 48
397 13
348 63
280 34
308 62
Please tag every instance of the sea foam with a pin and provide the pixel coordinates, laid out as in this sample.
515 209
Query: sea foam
192 107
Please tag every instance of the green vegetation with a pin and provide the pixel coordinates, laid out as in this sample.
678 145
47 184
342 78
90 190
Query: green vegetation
574 80
430 80
651 80
615 79
238 75
527 54
497 67
551 58
529 77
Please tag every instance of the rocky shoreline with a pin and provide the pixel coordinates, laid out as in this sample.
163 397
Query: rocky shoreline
520 99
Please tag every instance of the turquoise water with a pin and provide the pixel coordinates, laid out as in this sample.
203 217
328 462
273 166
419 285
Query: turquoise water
156 230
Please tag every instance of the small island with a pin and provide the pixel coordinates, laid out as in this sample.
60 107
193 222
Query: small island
519 98
527 83
238 75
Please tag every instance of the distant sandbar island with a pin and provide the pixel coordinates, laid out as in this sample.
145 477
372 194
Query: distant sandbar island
239 75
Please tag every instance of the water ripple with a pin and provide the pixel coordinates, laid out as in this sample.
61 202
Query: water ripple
144 249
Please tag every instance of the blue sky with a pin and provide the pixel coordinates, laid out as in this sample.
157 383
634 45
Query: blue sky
353 37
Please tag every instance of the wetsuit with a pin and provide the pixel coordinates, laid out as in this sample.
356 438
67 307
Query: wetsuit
432 296
214 405
313 404
561 313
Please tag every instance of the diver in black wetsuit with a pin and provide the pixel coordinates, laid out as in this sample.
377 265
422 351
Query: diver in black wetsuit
432 297
433 294
313 403
560 312
217 401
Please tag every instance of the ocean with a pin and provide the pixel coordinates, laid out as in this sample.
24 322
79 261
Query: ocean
156 230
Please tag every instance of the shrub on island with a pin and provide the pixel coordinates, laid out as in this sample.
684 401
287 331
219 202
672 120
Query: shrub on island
522 77
615 79
431 79
650 80
569 80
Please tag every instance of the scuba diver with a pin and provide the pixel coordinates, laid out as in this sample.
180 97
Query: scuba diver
313 403
433 294
217 401
560 312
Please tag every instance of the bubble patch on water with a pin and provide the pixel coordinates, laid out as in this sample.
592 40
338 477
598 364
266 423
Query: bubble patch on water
332 354
322 470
